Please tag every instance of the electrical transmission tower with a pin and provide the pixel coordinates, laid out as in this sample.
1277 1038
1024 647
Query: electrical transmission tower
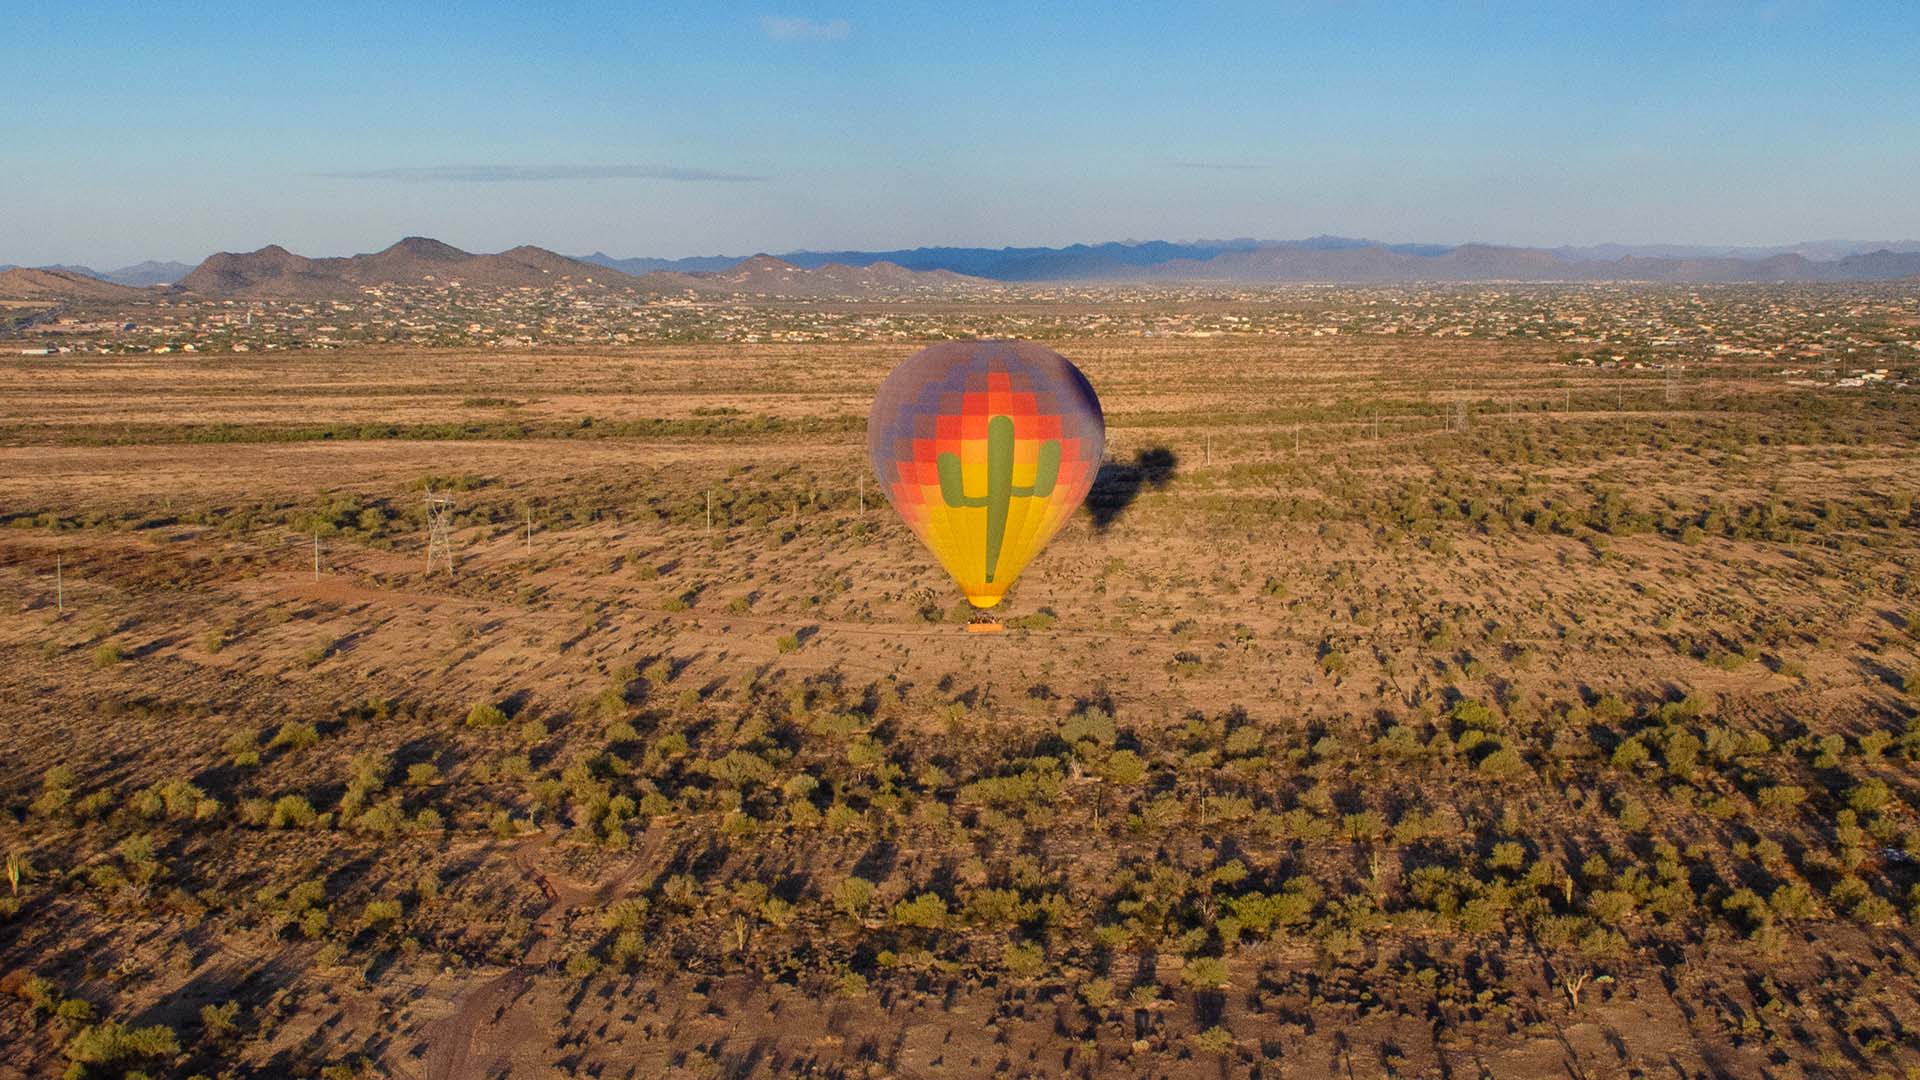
439 530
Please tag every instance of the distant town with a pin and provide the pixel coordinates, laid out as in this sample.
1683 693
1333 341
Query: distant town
1854 334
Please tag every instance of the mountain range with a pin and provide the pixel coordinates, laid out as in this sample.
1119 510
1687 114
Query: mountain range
1348 259
139 275
33 283
273 272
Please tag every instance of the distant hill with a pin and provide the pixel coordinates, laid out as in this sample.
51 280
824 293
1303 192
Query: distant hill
141 275
636 267
764 275
24 283
1483 262
274 272
1816 250
1347 259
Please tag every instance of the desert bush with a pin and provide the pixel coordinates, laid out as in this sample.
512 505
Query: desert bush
380 912
485 715
115 1045
1023 960
1364 827
1091 725
926 912
107 654
220 1023
1868 796
1874 743
1123 767
1778 799
292 811
1214 1040
319 651
1205 973
628 948
294 735
1502 764
852 895
244 749
1631 752
1793 901
1507 855
176 799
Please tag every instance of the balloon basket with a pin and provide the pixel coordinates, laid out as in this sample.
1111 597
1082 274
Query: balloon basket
984 624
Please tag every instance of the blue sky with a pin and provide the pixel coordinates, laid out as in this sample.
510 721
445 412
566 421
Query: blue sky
161 130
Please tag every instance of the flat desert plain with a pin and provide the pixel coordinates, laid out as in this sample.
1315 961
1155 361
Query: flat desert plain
1395 708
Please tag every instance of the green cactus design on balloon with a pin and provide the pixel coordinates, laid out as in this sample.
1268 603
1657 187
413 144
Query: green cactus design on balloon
1000 489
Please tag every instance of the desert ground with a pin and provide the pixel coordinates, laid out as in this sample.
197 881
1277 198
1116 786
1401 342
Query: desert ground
1408 707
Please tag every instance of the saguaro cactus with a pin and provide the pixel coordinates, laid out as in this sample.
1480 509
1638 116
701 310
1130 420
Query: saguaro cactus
1000 489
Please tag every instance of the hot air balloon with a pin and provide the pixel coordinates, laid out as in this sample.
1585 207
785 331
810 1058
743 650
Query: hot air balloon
985 448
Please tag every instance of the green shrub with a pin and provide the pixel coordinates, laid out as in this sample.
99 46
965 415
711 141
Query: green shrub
1214 1040
1629 753
1124 767
1023 960
292 811
114 1044
294 735
1091 725
220 1022
378 912
926 912
486 715
852 896
1205 973
1780 798
1868 796
1503 764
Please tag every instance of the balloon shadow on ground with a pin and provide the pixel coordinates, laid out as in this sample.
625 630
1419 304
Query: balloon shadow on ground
1119 483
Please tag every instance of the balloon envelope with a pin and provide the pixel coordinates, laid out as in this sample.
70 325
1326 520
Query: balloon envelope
985 448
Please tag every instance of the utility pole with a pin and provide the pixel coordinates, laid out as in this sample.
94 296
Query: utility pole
863 493
316 556
529 530
60 581
439 529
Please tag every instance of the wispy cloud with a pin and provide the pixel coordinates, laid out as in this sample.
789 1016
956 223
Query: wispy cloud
782 28
1218 166
501 174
